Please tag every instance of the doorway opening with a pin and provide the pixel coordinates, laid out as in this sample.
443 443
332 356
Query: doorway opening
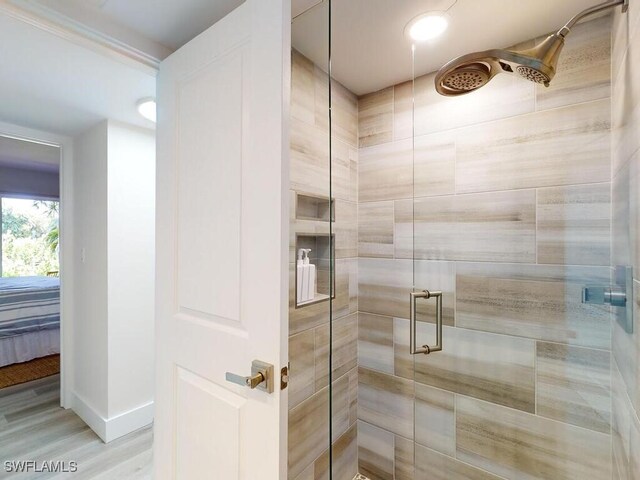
30 341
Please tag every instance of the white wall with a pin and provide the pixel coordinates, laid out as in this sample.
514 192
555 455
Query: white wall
131 250
115 224
90 325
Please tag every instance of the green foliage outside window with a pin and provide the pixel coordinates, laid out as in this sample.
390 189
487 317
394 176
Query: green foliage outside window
29 237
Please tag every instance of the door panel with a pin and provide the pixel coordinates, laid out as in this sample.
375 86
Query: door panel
201 227
194 395
222 251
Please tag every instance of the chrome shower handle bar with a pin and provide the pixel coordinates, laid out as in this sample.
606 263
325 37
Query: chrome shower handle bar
426 349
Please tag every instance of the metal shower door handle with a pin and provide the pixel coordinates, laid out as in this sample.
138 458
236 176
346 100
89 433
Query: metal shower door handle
426 349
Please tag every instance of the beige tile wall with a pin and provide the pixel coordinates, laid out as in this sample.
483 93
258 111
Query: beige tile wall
626 243
309 341
511 217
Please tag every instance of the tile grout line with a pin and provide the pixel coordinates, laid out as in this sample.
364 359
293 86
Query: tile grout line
487 192
484 262
393 442
535 233
455 426
535 377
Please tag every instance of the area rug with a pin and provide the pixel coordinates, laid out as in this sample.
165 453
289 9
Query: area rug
28 371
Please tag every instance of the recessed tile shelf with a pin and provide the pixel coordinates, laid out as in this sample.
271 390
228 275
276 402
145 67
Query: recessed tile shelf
321 246
317 208
320 297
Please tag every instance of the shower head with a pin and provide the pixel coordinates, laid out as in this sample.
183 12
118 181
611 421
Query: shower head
539 64
470 72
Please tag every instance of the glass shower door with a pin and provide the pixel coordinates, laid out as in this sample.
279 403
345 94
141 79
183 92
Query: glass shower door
324 324
504 235
498 204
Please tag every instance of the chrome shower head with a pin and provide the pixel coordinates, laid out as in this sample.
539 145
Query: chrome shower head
466 77
471 72
539 64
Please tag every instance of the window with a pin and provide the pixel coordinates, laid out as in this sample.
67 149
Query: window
29 237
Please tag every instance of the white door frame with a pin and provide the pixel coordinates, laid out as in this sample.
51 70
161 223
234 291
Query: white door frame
66 246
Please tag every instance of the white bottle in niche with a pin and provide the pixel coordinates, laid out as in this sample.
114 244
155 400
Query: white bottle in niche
300 277
311 275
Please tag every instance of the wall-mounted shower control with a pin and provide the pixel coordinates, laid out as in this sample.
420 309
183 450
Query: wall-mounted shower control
619 295
599 295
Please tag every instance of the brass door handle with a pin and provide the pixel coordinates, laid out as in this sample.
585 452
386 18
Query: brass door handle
251 382
426 349
261 377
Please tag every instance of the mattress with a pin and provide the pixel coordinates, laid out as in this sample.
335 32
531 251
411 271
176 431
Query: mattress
28 305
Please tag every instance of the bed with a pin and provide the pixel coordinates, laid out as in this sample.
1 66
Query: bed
29 318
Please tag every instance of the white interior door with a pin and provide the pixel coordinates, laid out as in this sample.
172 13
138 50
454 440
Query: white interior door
222 248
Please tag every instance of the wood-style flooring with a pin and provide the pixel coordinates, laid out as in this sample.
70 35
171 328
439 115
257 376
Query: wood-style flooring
33 426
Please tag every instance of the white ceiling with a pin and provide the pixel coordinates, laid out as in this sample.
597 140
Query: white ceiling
30 155
168 23
52 84
370 52
171 23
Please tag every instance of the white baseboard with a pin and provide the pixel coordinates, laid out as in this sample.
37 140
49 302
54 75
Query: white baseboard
109 429
88 414
127 422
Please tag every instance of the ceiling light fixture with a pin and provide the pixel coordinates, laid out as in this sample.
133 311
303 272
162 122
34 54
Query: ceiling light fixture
147 108
427 26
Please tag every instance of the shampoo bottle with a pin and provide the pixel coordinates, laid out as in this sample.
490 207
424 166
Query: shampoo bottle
311 273
300 286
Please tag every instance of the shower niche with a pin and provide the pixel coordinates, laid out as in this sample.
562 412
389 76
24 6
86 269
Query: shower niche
314 249
314 208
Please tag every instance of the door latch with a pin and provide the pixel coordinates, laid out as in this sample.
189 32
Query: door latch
284 377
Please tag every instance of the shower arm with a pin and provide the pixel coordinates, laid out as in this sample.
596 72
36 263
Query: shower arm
564 31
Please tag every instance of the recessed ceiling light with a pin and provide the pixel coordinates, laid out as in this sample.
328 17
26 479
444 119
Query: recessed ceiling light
147 108
427 26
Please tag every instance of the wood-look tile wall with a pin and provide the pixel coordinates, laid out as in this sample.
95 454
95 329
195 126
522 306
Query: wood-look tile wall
309 340
505 206
625 412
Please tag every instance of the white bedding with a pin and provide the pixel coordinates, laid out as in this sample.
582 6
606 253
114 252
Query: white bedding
23 348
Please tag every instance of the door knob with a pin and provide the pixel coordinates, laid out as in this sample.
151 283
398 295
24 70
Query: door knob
261 377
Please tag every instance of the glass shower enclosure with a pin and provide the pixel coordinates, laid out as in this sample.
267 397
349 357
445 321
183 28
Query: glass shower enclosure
462 248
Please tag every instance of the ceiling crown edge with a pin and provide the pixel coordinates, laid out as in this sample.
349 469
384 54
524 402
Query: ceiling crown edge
77 33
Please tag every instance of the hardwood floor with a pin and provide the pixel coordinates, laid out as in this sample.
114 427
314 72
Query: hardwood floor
34 427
